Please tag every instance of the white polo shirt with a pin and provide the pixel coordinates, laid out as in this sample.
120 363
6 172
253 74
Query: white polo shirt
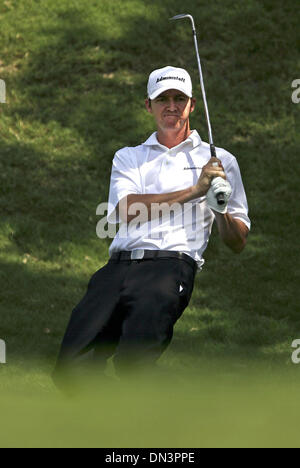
152 168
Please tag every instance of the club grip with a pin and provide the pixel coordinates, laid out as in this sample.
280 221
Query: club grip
220 197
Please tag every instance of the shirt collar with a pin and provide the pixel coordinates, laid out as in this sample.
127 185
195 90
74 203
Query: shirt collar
193 139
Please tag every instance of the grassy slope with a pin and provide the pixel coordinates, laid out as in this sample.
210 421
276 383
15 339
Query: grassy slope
76 75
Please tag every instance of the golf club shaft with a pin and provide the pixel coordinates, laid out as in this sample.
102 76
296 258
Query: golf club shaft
220 196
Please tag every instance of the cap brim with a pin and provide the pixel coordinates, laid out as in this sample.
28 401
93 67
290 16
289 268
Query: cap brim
162 90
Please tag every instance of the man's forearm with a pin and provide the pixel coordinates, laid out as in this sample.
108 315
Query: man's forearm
233 232
129 208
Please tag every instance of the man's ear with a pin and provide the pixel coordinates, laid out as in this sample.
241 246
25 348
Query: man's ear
148 105
193 104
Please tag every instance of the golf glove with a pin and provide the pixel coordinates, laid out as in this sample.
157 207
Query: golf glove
218 185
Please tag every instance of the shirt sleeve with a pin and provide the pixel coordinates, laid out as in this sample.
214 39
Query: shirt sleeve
237 205
125 180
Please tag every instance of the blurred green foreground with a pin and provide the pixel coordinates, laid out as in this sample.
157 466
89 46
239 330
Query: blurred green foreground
219 408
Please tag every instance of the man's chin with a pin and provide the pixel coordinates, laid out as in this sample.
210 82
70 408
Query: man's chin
175 124
171 120
175 127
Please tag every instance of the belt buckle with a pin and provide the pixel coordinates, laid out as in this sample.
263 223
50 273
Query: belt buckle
137 254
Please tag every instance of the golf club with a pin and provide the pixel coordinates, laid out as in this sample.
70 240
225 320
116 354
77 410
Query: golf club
220 196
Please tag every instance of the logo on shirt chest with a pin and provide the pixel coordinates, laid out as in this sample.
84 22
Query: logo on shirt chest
191 168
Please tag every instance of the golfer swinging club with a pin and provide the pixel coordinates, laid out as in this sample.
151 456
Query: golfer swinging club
163 195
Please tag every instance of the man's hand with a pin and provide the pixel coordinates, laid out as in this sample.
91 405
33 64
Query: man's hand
219 185
209 172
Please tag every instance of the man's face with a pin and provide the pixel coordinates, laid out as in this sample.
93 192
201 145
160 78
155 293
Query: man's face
171 109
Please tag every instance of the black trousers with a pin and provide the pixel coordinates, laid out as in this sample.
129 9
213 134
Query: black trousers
129 311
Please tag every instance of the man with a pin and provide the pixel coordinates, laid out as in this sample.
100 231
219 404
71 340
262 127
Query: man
163 194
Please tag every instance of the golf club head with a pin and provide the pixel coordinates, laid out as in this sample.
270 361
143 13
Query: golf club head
177 17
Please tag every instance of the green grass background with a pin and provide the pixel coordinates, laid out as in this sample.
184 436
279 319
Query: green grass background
76 74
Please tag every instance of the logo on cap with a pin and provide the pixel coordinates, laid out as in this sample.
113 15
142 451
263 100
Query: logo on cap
170 78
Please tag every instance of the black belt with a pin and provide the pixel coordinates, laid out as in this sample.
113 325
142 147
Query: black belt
139 254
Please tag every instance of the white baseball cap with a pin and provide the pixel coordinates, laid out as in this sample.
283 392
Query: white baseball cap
169 78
